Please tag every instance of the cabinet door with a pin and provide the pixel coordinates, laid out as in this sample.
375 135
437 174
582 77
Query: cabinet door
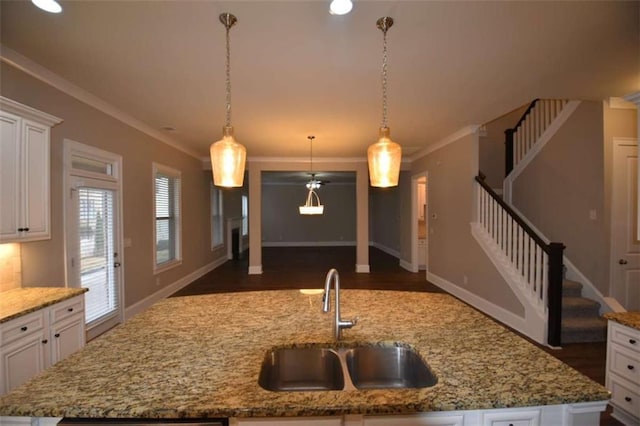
9 172
67 337
35 174
22 359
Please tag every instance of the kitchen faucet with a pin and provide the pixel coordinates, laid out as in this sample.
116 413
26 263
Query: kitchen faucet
339 324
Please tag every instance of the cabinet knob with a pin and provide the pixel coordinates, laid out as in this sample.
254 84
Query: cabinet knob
56 335
632 341
23 229
45 341
627 398
630 367
70 310
24 328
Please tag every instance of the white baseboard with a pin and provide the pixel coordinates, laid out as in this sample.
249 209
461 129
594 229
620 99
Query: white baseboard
255 270
164 292
406 265
363 269
307 243
388 250
491 309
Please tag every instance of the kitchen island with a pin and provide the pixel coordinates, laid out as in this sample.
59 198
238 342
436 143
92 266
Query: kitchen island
200 356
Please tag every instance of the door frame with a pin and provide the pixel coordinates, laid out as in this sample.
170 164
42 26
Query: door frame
112 181
415 263
613 255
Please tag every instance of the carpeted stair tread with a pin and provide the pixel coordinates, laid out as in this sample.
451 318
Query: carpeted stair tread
583 330
580 305
571 288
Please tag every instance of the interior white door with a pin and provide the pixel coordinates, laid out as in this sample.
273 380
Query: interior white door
625 247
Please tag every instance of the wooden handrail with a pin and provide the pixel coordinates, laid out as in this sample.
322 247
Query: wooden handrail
524 116
508 138
539 241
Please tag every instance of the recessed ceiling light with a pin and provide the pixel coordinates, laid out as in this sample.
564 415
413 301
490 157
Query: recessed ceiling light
51 6
340 7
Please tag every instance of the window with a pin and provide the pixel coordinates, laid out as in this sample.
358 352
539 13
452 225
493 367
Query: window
167 213
245 215
217 229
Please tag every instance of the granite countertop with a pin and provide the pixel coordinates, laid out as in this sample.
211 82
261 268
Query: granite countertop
21 301
200 356
630 319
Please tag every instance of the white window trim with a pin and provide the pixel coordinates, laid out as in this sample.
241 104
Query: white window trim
157 269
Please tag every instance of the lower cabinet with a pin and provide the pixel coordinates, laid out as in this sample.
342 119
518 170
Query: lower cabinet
579 414
623 372
33 342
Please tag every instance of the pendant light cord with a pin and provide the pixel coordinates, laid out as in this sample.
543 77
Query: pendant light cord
384 77
228 75
311 138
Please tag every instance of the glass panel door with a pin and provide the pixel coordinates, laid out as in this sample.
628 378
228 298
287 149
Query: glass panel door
97 256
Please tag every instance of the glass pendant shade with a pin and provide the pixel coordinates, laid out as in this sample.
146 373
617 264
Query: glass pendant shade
311 208
384 159
227 160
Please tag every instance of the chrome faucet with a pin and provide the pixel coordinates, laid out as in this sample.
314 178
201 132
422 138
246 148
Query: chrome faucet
339 324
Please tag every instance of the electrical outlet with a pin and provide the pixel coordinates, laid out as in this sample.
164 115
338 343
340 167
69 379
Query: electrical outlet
157 281
593 214
465 279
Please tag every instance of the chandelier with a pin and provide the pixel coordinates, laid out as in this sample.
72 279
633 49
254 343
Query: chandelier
385 155
228 156
312 205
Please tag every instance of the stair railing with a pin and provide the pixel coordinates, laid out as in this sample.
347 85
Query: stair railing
538 263
535 120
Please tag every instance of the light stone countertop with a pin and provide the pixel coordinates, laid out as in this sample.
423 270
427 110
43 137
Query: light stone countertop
200 356
630 319
21 301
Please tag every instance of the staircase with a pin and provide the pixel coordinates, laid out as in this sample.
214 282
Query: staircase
581 321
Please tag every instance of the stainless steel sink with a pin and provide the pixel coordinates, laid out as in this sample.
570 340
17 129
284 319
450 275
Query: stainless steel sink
376 367
301 369
344 368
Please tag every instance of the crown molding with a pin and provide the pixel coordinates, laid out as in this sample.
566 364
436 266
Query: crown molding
465 131
28 112
26 65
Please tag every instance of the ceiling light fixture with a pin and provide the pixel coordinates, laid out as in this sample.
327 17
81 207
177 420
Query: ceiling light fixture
309 208
385 155
340 7
228 156
51 6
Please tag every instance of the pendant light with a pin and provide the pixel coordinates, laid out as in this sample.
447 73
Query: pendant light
228 156
309 208
385 155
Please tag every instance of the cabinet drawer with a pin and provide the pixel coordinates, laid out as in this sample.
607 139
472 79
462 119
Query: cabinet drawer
67 308
625 396
625 336
625 363
21 326
511 418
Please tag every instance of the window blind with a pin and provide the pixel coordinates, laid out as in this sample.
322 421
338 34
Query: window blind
167 205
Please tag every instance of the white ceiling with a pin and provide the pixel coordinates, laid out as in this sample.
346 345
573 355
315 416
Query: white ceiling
298 71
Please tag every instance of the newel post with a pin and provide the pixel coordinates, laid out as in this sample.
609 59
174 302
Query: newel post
508 151
554 294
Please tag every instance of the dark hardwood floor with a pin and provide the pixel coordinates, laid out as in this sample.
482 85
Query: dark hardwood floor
306 267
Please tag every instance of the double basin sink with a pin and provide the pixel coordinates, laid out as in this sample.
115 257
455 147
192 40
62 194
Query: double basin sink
324 368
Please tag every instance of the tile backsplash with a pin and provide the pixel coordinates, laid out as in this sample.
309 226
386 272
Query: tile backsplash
10 267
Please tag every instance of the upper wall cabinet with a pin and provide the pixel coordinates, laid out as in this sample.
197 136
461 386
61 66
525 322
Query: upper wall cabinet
24 172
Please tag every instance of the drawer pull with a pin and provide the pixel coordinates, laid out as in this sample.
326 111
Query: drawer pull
632 341
45 341
630 367
627 398
56 335
24 328
70 310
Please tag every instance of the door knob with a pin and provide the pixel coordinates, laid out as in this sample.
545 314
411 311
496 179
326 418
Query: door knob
622 262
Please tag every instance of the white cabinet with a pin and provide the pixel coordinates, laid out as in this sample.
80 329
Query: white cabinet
32 342
623 372
24 172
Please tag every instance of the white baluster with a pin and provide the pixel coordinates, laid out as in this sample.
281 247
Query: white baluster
545 279
538 282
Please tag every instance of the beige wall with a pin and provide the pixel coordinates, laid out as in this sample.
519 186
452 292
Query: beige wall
43 262
282 222
492 148
10 266
453 252
384 218
564 185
